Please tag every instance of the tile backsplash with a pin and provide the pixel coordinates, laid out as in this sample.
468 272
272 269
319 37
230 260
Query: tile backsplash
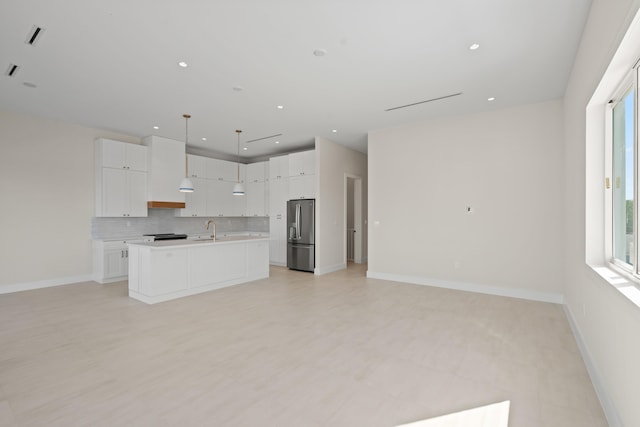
164 221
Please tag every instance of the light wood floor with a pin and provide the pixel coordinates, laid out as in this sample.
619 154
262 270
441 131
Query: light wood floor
292 350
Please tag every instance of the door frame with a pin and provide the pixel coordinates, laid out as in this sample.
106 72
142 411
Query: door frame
357 220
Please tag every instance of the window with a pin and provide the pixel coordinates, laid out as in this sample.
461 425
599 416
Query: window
625 172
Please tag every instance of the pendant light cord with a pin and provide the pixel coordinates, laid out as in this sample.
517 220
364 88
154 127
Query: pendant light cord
186 142
238 156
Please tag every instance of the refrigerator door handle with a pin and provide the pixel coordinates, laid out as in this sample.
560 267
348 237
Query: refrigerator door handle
298 208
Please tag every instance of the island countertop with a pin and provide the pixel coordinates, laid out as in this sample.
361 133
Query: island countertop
199 241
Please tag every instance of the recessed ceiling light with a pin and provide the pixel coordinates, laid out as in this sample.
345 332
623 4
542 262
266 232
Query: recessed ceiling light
245 148
334 130
474 46
156 127
280 107
320 52
491 98
183 64
204 139
277 142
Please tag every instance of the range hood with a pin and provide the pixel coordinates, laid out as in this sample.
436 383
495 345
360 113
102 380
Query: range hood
166 205
166 170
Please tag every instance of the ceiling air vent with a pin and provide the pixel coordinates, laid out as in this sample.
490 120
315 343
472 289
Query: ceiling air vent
264 137
424 102
12 70
34 35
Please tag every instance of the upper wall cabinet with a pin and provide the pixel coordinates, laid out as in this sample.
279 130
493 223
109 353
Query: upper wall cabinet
213 182
302 163
197 166
120 155
278 167
256 172
121 179
221 170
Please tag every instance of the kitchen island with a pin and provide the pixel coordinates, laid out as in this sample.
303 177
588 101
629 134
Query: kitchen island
165 270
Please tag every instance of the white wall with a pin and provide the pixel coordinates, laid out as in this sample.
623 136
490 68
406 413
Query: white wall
608 323
47 195
333 161
507 166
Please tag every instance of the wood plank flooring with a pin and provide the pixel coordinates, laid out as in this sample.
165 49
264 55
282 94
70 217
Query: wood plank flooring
291 350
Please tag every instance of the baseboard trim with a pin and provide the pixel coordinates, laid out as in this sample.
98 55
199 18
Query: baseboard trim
319 271
471 287
48 283
610 411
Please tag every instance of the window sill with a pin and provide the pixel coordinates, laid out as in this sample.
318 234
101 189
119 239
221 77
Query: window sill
625 284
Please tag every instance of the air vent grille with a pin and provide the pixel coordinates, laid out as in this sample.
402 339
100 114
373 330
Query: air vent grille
265 137
424 102
12 70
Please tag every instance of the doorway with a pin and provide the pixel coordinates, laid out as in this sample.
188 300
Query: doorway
352 238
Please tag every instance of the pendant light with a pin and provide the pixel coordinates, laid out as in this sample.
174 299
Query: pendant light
238 188
186 186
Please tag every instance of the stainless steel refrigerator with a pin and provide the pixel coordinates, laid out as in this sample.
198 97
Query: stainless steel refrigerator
301 249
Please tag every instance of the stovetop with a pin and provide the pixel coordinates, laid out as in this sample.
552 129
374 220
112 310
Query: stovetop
166 236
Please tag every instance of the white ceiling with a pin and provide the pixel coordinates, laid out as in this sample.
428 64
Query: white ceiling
113 64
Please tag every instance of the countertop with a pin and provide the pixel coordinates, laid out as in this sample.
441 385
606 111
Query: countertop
191 242
224 236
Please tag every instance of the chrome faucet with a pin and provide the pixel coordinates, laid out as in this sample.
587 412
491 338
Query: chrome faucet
213 230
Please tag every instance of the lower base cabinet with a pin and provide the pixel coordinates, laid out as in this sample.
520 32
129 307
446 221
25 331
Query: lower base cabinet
111 260
216 264
162 273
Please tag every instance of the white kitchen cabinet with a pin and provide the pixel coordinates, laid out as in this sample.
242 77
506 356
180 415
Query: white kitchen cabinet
302 183
222 202
209 264
239 203
221 170
121 155
220 198
255 198
278 167
121 191
111 260
302 163
278 196
197 166
161 271
256 189
257 259
256 172
166 272
196 202
302 187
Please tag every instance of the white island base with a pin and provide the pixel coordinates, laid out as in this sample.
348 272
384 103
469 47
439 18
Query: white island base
165 270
